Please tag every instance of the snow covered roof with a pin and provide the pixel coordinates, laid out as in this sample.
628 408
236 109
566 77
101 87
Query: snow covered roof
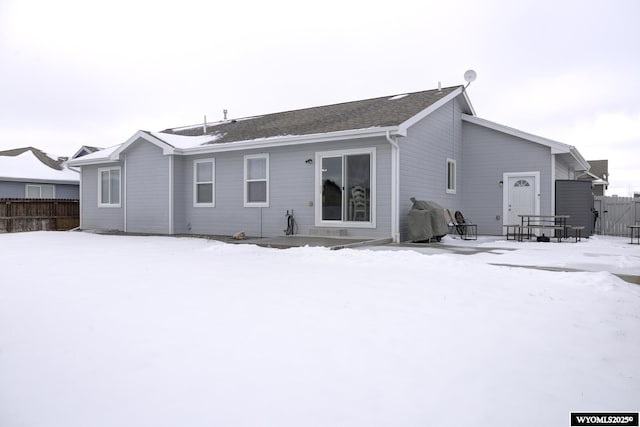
33 165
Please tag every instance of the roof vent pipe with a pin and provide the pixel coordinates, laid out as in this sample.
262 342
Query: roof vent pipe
439 87
225 113
204 126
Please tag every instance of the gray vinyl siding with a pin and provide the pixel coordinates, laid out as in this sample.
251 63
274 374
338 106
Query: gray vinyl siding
487 155
11 190
15 189
562 170
423 161
93 217
147 189
67 191
291 187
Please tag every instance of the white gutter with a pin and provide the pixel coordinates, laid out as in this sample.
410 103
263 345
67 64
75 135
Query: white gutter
395 188
283 141
263 143
123 196
171 194
80 200
553 184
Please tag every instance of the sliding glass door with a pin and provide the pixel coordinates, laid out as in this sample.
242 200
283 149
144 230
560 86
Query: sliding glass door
346 186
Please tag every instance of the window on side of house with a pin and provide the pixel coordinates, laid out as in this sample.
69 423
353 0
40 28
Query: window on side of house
256 180
204 172
33 191
109 187
451 176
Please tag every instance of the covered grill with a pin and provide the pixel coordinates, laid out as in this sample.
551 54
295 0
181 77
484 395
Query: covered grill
426 221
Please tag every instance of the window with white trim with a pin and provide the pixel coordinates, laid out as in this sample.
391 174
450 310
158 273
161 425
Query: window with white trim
109 187
204 193
37 191
256 180
451 176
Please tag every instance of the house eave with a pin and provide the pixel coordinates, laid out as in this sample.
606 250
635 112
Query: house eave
555 146
280 141
433 107
37 181
288 140
88 162
167 149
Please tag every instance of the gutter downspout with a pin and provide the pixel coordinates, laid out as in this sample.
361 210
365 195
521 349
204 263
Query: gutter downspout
553 184
124 192
395 188
80 200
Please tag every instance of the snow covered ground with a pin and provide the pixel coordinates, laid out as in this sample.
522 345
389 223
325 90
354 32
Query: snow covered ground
155 331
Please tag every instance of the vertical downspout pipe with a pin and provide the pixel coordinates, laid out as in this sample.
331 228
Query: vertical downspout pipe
395 188
123 196
553 184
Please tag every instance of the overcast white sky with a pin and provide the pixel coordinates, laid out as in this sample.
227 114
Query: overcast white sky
81 72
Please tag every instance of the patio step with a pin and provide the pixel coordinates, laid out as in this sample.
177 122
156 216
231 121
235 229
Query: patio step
328 232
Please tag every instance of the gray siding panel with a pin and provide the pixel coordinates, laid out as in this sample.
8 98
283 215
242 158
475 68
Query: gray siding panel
147 189
487 155
291 187
67 191
93 217
423 161
14 189
562 169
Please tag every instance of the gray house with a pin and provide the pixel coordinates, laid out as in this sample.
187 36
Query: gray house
598 175
344 169
29 173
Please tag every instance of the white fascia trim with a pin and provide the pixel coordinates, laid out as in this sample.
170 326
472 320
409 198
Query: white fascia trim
430 109
556 147
282 141
39 181
576 155
97 161
167 149
468 101
291 140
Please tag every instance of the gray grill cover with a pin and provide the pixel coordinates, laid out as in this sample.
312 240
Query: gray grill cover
426 221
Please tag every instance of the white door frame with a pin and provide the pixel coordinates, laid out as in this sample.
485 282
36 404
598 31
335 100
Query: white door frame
505 192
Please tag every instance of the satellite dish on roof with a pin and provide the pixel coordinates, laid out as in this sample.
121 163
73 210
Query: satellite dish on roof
470 76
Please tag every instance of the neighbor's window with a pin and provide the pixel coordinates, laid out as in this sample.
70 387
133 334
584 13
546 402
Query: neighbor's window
109 187
204 172
39 191
256 180
451 176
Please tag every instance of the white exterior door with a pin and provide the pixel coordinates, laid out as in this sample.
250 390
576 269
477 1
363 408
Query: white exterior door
520 196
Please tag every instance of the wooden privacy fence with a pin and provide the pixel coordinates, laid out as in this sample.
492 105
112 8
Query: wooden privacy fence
38 214
615 214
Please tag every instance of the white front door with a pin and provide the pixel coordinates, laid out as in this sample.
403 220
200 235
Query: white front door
520 196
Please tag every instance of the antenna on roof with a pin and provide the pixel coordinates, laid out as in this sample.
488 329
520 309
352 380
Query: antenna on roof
225 113
469 76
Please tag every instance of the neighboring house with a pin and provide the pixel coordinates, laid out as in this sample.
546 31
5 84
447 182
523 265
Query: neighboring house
32 174
84 150
598 175
245 174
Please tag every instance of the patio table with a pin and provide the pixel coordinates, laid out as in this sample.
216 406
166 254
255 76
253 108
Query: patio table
558 223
